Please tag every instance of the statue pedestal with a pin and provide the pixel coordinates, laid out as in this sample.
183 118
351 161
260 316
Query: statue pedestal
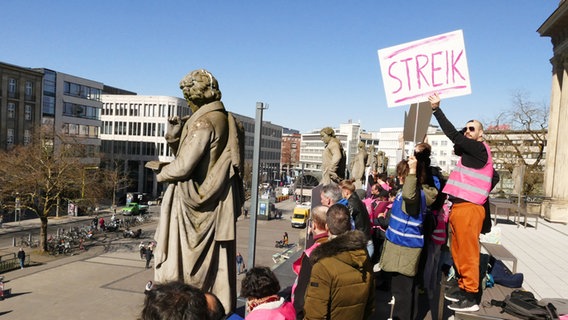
555 210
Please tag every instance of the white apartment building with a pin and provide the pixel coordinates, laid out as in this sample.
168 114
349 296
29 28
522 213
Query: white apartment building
442 150
132 132
392 144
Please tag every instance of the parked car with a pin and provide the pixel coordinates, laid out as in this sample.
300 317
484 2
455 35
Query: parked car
134 208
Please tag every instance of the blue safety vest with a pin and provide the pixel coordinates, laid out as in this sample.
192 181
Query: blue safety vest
406 230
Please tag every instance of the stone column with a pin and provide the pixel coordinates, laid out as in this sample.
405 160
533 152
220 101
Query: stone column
555 207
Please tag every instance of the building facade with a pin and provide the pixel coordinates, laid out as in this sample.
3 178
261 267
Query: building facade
132 133
72 108
311 147
270 149
291 140
20 104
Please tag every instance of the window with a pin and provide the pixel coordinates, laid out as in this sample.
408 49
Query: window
11 110
444 143
10 136
27 136
73 129
29 88
12 84
28 112
83 130
48 105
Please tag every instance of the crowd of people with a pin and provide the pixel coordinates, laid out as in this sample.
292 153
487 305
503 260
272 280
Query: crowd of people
390 235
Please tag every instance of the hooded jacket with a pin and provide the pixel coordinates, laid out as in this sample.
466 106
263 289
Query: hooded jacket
341 284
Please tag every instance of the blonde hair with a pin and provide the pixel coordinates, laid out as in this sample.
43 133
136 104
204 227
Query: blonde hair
348 184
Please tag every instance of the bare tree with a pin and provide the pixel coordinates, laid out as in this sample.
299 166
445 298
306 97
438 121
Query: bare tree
38 175
113 178
518 136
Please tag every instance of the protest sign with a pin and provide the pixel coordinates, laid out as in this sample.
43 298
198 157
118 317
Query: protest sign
414 70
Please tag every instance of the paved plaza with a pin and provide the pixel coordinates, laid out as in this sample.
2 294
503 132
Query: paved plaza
107 281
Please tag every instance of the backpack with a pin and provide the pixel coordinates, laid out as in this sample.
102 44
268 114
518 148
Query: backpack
523 305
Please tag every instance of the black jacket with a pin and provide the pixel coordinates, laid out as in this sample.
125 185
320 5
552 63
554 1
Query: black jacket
360 215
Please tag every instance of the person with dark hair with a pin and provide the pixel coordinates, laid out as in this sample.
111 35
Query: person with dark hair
215 309
468 188
174 301
260 287
21 257
404 236
358 212
341 283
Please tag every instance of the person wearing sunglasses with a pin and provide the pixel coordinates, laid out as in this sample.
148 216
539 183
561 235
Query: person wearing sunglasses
468 188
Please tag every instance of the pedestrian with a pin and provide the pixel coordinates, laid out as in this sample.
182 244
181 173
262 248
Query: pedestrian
358 211
149 255
285 239
468 188
1 220
260 287
400 258
303 267
22 257
341 284
102 223
142 249
240 262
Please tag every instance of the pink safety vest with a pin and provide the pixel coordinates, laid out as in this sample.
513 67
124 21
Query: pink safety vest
296 265
472 185
439 234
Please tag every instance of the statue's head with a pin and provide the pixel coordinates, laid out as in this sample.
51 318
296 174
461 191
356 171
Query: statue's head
326 134
361 145
199 88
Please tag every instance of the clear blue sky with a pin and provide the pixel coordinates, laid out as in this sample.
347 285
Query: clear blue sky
314 62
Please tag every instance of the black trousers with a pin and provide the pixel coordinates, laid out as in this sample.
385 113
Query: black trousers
405 292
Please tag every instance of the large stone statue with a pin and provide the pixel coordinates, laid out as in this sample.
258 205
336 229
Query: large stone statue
333 157
358 165
371 159
381 165
196 232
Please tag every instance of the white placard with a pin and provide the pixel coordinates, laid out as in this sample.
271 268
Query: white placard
414 70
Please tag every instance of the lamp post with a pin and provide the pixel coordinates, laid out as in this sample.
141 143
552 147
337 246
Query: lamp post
260 107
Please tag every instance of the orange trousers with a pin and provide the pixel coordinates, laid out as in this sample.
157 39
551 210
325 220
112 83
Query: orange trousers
466 220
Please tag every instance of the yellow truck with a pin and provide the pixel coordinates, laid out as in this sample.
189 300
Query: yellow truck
300 216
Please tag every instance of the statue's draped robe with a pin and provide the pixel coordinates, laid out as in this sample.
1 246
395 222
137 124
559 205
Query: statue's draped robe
358 167
333 161
196 232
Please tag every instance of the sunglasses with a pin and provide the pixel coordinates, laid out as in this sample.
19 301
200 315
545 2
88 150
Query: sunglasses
471 128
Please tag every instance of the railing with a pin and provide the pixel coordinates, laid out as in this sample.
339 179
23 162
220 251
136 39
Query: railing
10 261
